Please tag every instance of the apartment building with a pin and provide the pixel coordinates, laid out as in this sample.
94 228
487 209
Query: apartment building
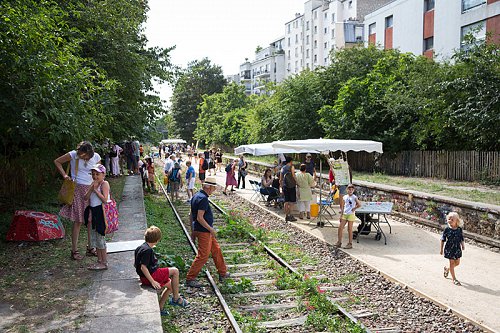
324 26
309 39
268 66
435 29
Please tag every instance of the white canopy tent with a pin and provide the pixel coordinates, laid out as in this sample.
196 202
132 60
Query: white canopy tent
317 146
259 149
327 145
309 146
169 141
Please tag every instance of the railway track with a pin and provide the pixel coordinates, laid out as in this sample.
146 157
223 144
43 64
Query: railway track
267 293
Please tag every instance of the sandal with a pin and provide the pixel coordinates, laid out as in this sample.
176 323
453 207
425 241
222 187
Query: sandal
97 267
75 255
175 302
446 271
91 252
456 283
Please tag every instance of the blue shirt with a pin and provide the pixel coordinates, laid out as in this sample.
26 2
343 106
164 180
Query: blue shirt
200 202
190 171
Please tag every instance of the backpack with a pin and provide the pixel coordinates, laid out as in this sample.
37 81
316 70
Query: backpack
204 166
229 167
290 182
174 175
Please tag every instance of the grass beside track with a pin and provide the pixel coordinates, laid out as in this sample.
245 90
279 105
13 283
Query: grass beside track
40 285
172 250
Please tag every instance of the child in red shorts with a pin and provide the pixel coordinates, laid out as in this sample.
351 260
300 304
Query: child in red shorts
146 266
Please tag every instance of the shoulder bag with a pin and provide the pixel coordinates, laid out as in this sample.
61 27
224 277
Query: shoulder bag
67 191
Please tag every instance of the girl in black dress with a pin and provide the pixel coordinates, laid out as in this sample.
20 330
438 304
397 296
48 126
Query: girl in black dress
454 240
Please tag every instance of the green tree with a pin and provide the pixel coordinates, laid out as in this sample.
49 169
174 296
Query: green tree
222 117
200 78
49 95
295 114
472 100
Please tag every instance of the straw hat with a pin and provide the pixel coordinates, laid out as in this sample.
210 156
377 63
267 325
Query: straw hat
210 180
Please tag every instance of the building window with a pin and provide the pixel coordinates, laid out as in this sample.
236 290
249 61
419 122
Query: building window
288 41
325 31
371 28
350 4
307 25
428 5
296 51
333 17
428 43
333 33
289 66
388 21
326 45
326 16
288 28
307 40
288 53
476 30
315 29
469 4
296 38
307 53
315 44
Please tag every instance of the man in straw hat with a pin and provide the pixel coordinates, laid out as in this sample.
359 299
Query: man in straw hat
202 228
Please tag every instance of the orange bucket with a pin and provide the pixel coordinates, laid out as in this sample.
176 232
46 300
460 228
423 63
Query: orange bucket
314 209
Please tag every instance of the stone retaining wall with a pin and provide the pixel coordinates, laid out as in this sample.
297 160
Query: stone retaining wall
481 221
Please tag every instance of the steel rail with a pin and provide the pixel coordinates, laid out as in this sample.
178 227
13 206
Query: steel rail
222 301
283 263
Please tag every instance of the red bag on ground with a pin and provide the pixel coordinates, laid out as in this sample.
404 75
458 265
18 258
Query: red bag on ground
33 226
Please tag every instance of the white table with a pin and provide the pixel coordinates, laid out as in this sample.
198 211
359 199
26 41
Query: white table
381 209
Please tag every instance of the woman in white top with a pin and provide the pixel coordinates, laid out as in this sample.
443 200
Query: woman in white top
85 158
304 183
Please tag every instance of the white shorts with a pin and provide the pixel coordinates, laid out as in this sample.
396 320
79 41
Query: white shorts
191 184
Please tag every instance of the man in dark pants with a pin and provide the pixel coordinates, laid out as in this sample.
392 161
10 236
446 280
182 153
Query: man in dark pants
287 185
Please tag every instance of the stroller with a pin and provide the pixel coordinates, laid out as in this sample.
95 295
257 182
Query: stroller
365 227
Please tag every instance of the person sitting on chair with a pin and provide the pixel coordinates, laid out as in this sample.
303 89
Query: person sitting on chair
266 187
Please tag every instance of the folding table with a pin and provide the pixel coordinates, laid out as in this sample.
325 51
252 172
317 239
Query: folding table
381 209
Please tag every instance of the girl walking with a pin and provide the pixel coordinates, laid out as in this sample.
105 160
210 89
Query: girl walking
151 174
231 177
454 246
97 194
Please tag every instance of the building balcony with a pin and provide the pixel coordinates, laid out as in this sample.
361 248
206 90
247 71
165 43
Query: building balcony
262 74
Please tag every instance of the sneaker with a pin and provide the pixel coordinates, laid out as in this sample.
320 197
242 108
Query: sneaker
222 278
348 246
164 312
291 218
338 244
193 284
233 190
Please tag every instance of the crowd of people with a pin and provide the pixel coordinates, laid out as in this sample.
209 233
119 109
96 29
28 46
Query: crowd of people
281 181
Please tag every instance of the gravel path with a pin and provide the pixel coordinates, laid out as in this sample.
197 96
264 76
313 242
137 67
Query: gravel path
393 305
